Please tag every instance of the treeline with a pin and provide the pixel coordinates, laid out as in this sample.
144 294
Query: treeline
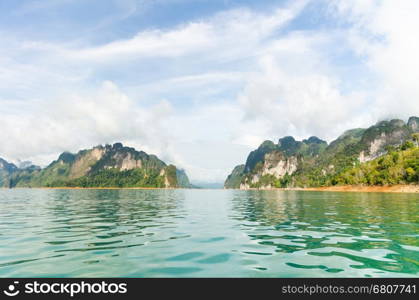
399 166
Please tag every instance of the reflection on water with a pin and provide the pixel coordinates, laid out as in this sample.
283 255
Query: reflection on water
372 234
201 233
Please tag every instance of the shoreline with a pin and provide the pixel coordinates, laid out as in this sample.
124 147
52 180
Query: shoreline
398 188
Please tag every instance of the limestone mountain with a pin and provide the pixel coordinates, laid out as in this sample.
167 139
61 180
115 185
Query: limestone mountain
182 179
6 169
272 160
313 162
102 166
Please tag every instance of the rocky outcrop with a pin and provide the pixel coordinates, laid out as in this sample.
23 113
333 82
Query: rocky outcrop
182 179
375 149
6 169
271 161
129 163
83 163
258 155
6 166
275 165
234 179
413 124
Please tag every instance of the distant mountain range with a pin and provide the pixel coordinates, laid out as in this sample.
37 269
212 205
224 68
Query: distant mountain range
101 166
385 153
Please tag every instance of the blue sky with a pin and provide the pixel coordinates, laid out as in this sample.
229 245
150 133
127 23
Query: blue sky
199 83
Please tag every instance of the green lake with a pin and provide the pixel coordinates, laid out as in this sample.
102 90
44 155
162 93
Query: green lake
207 233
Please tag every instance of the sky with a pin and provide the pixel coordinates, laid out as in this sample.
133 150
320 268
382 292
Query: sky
200 83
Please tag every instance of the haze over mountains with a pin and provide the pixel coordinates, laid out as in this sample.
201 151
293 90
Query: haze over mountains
358 156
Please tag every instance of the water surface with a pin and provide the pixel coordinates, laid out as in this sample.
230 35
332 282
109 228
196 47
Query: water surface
207 233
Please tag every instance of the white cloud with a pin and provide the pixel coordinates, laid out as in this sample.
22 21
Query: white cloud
198 55
384 33
75 121
293 93
228 35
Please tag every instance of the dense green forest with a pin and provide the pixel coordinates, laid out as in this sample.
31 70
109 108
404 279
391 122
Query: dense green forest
101 166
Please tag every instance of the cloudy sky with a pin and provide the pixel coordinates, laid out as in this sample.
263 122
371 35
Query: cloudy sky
200 83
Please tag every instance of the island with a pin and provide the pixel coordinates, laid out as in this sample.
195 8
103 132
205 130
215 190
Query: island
383 157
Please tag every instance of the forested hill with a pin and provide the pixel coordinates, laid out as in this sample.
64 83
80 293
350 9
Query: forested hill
385 153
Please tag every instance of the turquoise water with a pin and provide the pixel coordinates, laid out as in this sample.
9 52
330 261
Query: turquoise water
207 233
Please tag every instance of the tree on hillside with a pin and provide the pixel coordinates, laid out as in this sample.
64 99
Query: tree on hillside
415 138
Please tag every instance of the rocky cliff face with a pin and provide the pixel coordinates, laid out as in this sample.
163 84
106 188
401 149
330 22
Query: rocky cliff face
182 179
313 162
109 165
275 165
